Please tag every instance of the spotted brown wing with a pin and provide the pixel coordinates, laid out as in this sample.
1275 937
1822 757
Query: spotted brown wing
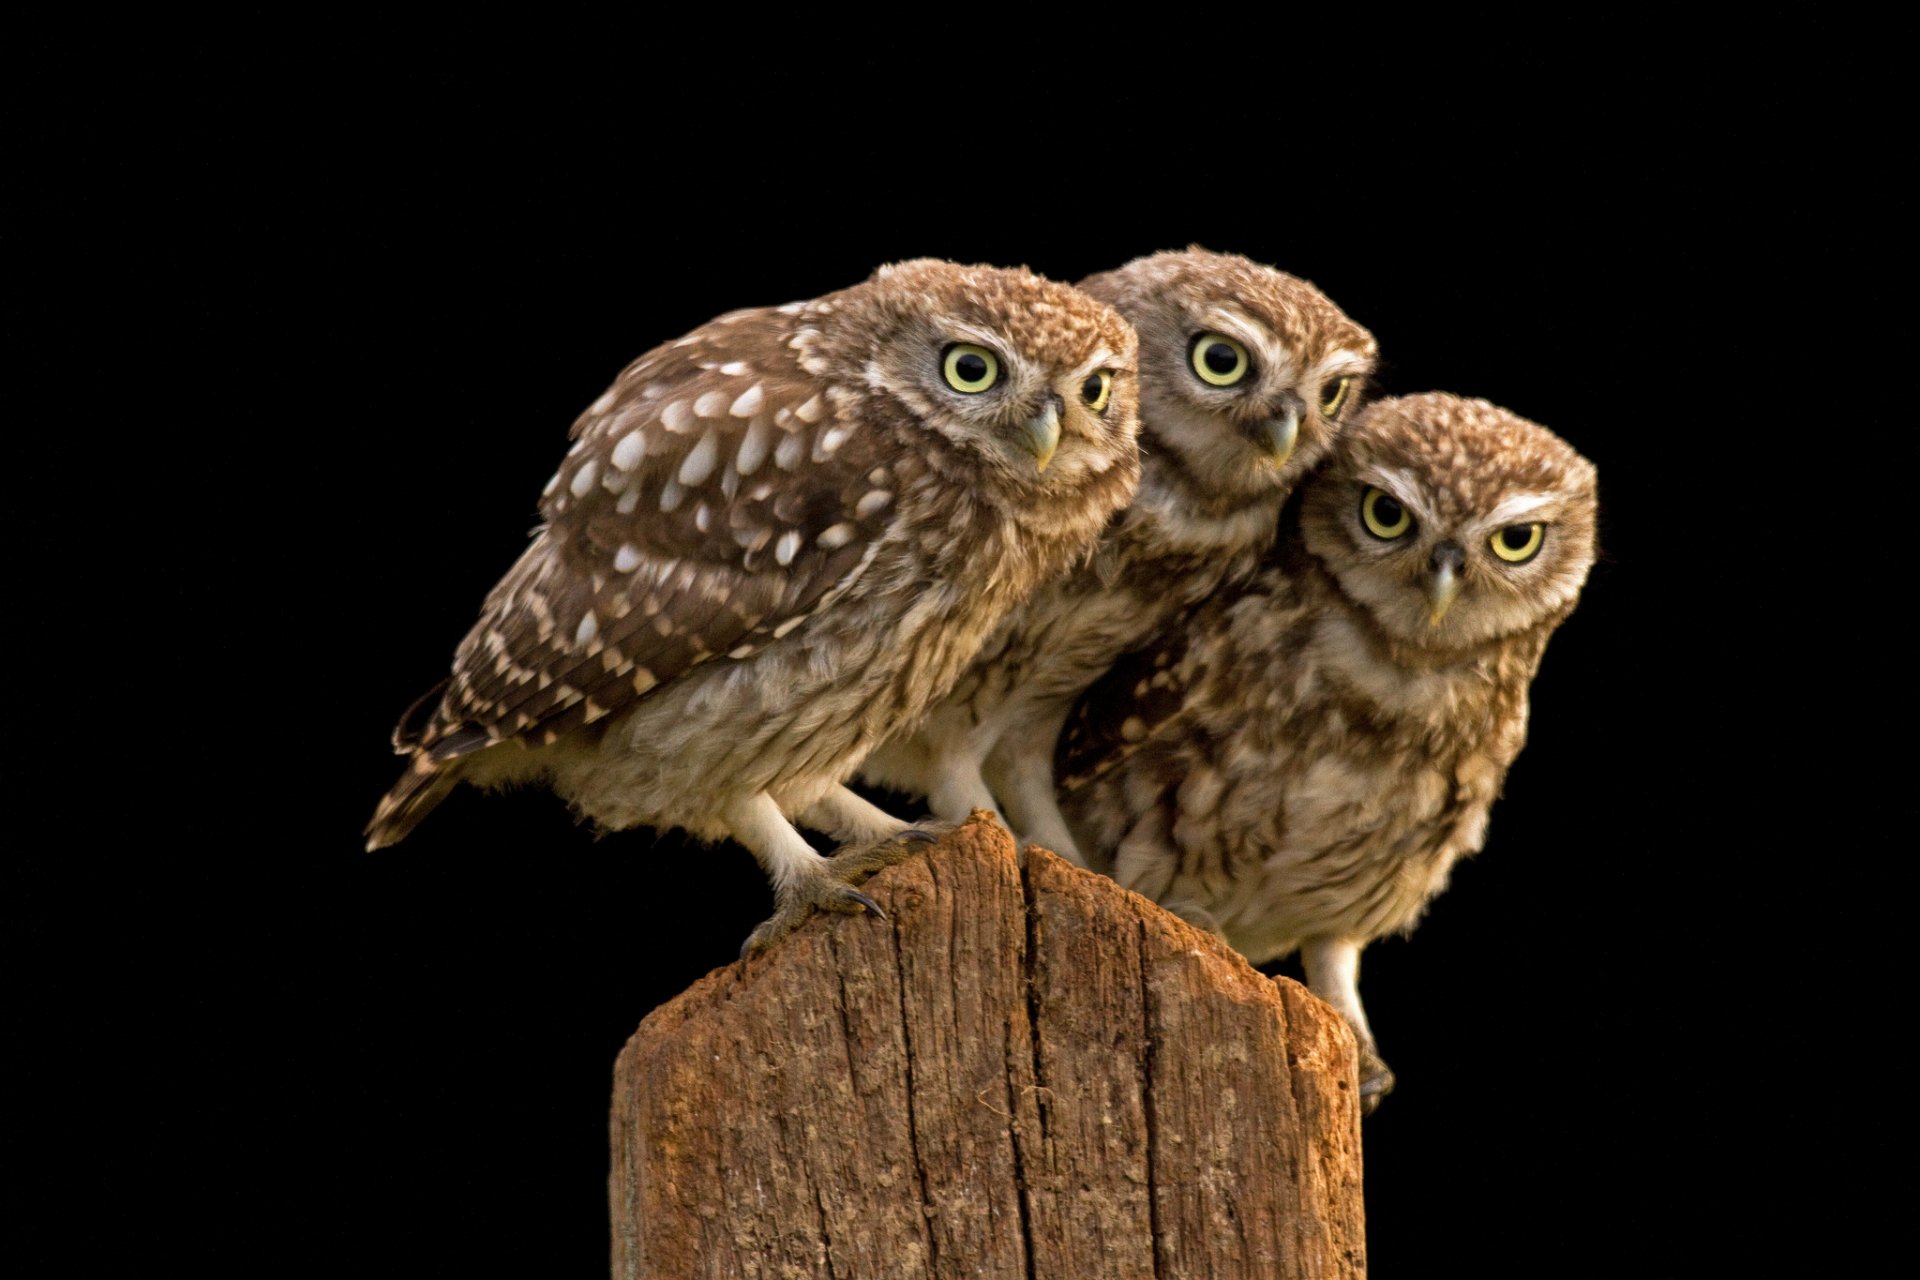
1141 693
715 499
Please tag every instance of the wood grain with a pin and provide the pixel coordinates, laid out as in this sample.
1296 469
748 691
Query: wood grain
1026 1071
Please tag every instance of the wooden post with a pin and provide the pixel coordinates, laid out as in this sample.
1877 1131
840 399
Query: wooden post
1026 1071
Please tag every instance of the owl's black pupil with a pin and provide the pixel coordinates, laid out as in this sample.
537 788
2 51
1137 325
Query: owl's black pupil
1516 536
1386 511
1333 391
1090 389
970 367
1220 357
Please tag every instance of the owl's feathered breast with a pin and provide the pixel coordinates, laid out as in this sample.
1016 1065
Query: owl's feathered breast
1277 738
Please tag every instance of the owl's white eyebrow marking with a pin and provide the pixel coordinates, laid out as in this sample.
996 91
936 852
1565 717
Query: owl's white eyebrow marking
1518 505
749 402
1098 360
1236 325
1402 485
583 478
977 337
1340 361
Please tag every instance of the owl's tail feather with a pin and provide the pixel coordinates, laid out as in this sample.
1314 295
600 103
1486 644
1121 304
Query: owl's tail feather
420 790
418 718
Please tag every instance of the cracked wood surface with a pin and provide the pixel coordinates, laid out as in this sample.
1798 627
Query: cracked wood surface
1027 1071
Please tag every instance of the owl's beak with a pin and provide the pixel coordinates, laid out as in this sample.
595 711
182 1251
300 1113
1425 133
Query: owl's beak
1276 436
1043 432
1448 559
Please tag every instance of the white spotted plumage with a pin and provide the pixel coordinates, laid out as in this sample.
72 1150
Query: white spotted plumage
708 636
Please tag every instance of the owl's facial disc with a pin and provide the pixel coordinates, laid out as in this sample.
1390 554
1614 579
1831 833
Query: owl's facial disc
1041 432
1444 566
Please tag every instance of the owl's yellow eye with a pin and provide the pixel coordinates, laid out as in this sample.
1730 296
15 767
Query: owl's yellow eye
1519 543
1383 515
969 368
1219 360
1097 389
1333 396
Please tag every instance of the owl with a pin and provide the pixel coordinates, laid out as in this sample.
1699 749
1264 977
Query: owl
1247 375
774 541
1300 766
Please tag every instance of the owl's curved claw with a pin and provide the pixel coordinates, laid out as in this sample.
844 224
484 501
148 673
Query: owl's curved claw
854 895
830 887
793 907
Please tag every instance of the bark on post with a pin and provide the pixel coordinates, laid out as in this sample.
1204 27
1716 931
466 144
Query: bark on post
1026 1072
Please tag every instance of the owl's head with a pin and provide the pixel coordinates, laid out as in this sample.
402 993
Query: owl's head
1030 380
1248 373
1453 522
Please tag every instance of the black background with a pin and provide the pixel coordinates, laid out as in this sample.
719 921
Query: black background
303 334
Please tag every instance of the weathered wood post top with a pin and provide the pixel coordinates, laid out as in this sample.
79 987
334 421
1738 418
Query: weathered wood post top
1026 1071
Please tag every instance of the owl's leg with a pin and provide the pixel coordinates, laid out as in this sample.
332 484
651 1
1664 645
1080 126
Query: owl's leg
957 787
803 880
1020 772
849 819
867 833
1333 974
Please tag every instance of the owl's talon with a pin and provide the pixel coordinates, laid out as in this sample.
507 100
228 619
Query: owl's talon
856 896
831 887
